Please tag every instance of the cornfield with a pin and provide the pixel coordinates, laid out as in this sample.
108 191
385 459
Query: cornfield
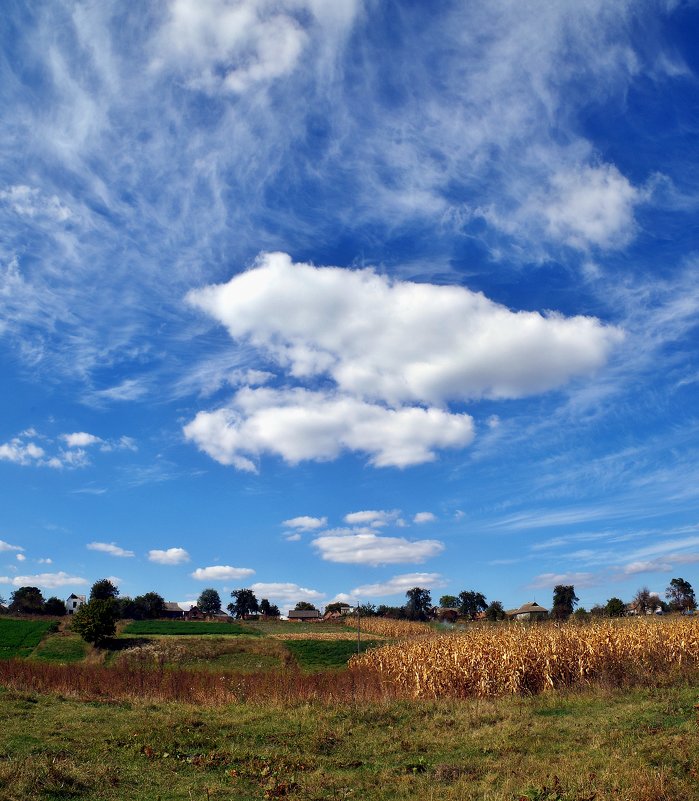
514 659
394 629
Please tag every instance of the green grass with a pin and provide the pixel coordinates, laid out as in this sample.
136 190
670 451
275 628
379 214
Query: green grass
18 638
185 627
62 648
314 655
635 745
292 627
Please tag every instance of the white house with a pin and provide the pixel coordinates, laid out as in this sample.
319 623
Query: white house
74 602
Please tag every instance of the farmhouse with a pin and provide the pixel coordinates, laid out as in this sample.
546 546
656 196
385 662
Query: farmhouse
530 611
304 614
74 602
172 611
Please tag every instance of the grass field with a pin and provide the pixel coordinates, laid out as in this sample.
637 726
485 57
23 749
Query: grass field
637 745
18 638
325 654
62 648
186 627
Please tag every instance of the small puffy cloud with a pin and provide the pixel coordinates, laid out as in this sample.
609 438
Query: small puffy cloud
367 548
398 341
306 523
46 561
286 594
592 206
21 452
109 547
20 557
376 518
301 425
44 580
424 517
5 546
398 585
80 439
545 581
171 556
293 537
221 573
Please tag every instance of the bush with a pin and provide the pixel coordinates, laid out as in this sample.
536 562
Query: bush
96 621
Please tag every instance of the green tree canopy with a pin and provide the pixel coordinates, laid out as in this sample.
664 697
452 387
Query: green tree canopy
209 601
27 601
449 602
471 603
615 607
54 606
96 620
564 601
495 611
269 610
104 590
680 594
244 603
419 603
304 606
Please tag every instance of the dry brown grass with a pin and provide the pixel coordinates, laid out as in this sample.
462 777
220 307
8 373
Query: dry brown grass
514 659
394 629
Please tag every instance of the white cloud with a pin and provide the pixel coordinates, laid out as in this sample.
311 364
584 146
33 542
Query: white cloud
286 594
550 580
221 573
5 546
376 518
109 547
232 47
20 452
45 580
424 517
398 585
171 556
29 201
305 523
46 561
655 565
293 537
369 549
20 557
302 425
398 341
80 439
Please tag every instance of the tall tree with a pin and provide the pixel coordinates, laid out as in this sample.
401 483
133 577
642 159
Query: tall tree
564 601
209 601
615 607
304 606
471 603
644 602
55 606
449 602
244 603
681 595
104 590
96 621
269 610
495 611
419 603
27 601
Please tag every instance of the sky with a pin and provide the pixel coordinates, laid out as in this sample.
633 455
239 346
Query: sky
335 299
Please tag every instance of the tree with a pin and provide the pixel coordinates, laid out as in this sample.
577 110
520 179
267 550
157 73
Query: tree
150 605
96 620
419 603
209 601
615 607
269 610
244 603
27 601
104 590
644 602
338 606
304 606
366 610
449 602
681 595
471 603
55 606
564 601
495 611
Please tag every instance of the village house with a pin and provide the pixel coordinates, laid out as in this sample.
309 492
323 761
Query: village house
529 611
74 602
173 611
300 615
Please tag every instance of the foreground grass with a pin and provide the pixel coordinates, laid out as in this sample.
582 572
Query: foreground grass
18 638
637 745
185 627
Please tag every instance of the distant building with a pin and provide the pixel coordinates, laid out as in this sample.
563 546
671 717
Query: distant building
173 611
304 614
74 602
530 611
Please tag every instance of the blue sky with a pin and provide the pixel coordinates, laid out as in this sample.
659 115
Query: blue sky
334 299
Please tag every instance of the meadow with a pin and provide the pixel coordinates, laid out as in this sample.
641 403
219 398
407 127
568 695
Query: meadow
292 714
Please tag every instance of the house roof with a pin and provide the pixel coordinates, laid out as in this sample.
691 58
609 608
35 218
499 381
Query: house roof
303 613
172 606
533 606
77 597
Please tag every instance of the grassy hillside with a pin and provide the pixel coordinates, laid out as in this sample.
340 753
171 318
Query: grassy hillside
18 638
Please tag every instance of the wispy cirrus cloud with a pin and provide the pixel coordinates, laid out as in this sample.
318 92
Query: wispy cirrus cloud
110 548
